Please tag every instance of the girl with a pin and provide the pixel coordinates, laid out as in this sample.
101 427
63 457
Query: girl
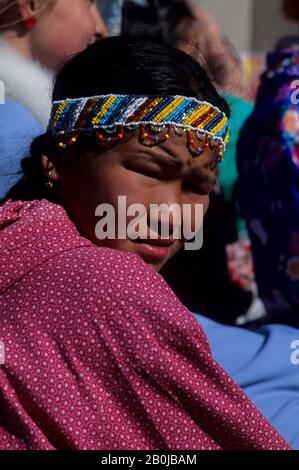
99 352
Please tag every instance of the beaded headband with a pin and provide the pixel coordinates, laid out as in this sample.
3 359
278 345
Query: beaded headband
154 115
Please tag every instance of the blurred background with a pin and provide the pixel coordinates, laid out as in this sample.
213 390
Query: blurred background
251 25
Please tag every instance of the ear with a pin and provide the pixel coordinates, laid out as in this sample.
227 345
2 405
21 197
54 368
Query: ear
28 8
50 169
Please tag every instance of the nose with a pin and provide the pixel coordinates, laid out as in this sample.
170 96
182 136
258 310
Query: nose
100 29
168 213
165 224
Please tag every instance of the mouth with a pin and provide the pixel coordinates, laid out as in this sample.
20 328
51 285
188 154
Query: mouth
153 251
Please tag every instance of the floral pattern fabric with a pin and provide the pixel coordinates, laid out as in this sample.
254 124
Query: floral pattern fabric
268 160
101 354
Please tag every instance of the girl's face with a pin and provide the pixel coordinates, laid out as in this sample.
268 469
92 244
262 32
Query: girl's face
164 174
63 28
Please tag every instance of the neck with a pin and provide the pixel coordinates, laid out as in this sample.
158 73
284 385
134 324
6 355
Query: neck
19 42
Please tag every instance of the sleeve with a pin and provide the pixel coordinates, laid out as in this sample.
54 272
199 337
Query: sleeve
18 128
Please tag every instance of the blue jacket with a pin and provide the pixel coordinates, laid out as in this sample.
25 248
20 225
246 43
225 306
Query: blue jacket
18 128
265 364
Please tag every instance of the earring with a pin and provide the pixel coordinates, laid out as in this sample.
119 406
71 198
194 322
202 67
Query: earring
49 183
29 22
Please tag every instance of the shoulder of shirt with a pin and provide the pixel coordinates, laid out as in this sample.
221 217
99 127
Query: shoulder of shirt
98 261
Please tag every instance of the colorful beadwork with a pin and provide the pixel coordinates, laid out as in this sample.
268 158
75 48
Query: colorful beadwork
72 140
107 113
154 136
109 139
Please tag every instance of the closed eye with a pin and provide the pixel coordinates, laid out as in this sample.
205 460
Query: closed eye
150 173
203 189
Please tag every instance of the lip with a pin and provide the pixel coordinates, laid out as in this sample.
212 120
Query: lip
155 242
151 252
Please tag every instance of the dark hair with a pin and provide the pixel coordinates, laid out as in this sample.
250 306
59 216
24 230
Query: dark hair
173 22
135 65
155 19
122 66
9 14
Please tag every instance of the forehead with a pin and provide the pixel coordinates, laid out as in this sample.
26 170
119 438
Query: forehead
174 148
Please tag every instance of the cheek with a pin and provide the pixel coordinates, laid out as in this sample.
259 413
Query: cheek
69 28
196 219
111 182
206 203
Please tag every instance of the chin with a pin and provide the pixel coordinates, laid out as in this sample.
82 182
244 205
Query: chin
156 264
157 267
153 256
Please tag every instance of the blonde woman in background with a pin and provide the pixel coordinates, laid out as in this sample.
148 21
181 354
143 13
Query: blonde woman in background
36 37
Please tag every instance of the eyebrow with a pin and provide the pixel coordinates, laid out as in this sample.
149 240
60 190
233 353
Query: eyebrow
157 158
198 174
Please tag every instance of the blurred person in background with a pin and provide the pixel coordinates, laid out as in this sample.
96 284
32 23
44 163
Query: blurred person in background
268 160
111 13
36 38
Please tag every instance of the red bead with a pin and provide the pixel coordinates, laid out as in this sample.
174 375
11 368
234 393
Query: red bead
29 22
